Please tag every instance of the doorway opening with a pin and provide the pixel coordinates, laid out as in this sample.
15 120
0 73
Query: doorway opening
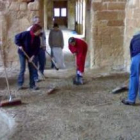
60 13
70 16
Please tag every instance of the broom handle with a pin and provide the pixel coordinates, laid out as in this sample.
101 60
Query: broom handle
55 64
126 82
6 76
32 63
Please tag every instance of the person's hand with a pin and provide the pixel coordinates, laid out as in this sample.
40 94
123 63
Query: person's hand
31 58
20 47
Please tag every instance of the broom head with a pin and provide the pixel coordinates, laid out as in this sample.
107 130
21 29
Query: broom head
15 101
120 89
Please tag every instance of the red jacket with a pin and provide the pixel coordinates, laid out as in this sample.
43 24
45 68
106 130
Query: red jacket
80 49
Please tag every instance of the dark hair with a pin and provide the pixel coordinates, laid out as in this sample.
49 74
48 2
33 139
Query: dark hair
35 28
71 40
55 25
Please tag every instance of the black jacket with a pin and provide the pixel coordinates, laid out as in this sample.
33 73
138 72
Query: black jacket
135 45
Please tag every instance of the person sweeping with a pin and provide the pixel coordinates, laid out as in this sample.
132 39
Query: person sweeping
79 48
134 80
28 42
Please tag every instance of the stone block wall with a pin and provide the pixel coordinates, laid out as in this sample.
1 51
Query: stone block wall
132 24
108 33
15 16
71 14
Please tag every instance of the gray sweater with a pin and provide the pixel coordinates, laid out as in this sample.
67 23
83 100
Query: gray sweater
56 38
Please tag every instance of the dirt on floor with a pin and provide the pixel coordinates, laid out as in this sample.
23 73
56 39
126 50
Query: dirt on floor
87 112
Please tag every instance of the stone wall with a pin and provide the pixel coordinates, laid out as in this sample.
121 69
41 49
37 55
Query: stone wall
108 33
132 24
16 16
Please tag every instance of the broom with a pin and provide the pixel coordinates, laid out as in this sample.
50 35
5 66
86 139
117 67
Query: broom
53 61
11 100
33 64
122 88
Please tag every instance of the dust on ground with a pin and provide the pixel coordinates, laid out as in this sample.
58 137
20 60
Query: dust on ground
87 112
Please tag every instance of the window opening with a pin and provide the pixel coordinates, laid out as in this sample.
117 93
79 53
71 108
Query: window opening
56 12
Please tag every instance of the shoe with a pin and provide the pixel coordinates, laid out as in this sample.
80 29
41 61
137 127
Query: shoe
78 80
81 80
41 77
127 102
37 80
34 88
75 81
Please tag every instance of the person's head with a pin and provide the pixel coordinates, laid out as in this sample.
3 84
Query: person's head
36 29
36 20
72 41
55 26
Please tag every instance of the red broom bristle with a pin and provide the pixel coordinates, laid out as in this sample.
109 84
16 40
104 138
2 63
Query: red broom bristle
10 103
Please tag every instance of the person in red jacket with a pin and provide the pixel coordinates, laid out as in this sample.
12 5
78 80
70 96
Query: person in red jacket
79 48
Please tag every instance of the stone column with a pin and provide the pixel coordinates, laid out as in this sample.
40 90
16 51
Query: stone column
132 24
71 14
108 33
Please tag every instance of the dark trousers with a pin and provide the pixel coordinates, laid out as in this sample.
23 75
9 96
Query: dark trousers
22 60
52 65
40 60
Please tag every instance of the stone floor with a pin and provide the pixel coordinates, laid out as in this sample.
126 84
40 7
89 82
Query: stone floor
88 112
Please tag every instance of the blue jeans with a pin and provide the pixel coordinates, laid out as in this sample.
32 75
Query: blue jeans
134 78
41 60
22 60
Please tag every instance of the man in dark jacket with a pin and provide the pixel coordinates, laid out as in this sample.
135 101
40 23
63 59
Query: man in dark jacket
135 70
40 60
28 41
79 48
